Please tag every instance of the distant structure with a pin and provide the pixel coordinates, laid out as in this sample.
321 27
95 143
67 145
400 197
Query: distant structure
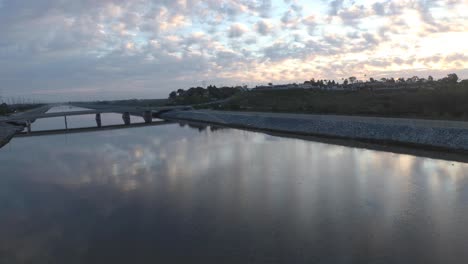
353 84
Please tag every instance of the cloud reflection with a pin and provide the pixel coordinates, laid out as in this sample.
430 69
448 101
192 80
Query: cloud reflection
233 183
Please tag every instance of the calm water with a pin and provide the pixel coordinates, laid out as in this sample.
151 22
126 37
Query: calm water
78 121
172 194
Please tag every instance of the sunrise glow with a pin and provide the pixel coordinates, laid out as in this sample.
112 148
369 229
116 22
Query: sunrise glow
83 49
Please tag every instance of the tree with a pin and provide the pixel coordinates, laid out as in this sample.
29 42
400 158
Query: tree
464 82
345 82
4 109
180 92
414 79
452 78
172 95
430 78
372 80
214 92
352 79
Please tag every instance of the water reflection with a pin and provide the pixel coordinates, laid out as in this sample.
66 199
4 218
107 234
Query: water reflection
78 121
206 195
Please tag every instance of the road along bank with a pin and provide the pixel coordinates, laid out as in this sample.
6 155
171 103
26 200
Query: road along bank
427 134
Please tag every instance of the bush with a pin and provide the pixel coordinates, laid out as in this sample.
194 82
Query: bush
446 101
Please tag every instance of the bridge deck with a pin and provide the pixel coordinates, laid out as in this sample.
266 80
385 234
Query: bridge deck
88 129
138 111
59 114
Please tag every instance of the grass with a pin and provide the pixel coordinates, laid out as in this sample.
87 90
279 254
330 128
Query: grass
448 102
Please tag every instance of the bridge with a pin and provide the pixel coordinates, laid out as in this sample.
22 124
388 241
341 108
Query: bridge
147 113
87 129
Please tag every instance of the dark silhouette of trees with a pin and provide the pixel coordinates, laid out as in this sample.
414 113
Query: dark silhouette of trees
212 93
451 78
4 109
196 95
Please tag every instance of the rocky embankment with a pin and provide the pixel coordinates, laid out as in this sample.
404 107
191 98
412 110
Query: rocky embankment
433 134
8 130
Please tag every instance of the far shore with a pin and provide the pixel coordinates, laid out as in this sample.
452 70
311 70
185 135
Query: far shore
411 134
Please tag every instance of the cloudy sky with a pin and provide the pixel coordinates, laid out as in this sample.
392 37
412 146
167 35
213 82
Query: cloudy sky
96 49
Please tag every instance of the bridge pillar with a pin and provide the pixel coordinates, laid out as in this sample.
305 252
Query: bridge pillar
148 117
126 118
66 123
28 126
98 120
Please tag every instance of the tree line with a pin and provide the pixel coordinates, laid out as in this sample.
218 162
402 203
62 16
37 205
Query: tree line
450 78
196 95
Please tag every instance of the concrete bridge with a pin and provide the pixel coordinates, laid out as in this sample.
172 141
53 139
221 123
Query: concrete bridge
87 129
147 113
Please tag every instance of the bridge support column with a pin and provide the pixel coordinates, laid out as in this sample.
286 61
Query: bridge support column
28 126
66 122
126 118
98 120
148 117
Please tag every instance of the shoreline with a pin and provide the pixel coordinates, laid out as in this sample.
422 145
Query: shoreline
8 131
351 143
449 137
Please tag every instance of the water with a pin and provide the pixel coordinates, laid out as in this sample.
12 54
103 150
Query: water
173 194
78 121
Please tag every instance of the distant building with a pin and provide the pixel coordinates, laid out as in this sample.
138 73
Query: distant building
280 87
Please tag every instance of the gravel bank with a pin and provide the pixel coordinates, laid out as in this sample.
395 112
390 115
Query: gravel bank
445 135
8 131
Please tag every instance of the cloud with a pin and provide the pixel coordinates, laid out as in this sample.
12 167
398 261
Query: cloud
335 5
292 17
145 48
311 23
264 27
370 38
353 15
237 30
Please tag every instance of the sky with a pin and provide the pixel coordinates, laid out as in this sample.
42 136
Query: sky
56 50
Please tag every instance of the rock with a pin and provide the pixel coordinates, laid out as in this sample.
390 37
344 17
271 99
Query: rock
449 135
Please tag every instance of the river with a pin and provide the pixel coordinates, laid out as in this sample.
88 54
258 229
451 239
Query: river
184 194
